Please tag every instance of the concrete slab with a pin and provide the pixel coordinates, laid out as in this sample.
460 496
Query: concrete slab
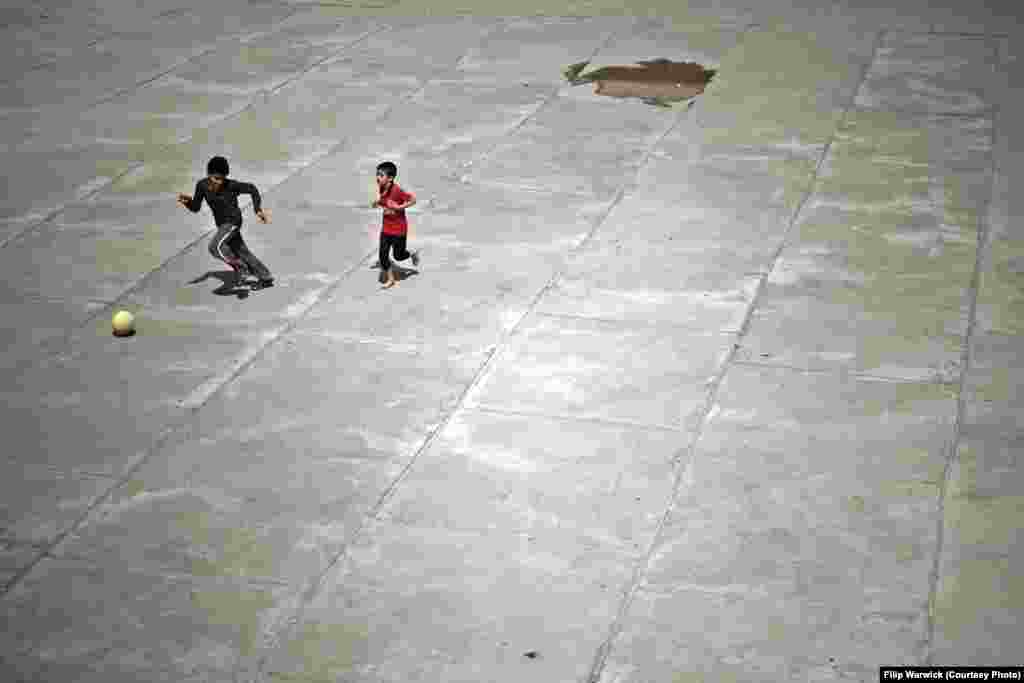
294 533
110 258
913 16
261 63
15 556
927 348
762 510
32 323
505 217
161 113
536 50
931 74
108 17
425 382
433 131
40 503
186 34
459 605
625 368
772 182
48 180
27 46
616 501
140 624
205 531
783 88
978 593
897 208
116 394
998 18
466 326
649 213
412 43
547 155
1000 289
56 83
153 114
688 282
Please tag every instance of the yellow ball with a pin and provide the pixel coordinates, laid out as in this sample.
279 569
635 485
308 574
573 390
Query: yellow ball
123 324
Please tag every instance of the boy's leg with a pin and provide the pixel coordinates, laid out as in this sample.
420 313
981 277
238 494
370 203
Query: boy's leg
234 243
254 265
220 247
414 255
383 257
402 253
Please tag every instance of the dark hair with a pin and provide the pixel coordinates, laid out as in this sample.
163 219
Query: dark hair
389 169
217 166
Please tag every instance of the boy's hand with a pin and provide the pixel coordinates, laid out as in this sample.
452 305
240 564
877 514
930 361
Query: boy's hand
262 216
184 199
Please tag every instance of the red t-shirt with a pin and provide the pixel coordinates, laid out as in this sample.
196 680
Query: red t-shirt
395 223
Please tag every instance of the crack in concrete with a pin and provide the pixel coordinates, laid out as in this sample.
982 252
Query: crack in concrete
952 456
872 377
984 114
686 454
565 417
649 324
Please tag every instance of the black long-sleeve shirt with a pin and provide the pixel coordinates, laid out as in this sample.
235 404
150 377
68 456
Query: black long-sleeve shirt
224 204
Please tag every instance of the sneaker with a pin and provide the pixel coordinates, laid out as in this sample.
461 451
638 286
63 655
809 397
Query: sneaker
240 276
263 284
416 259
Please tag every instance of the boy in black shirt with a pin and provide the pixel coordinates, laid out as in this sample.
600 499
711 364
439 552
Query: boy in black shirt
227 245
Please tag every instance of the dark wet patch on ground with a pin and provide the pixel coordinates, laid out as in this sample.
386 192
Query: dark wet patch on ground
659 82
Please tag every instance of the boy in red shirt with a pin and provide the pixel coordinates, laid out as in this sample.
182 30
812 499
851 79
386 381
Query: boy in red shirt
394 200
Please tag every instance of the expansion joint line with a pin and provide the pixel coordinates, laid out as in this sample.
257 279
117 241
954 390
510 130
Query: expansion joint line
953 453
684 459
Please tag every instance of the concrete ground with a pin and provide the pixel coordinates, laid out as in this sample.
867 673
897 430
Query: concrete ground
730 392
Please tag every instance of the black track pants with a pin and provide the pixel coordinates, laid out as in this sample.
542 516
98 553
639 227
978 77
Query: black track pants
228 246
395 243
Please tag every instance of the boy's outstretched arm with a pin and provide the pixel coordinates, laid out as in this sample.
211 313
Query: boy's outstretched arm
257 201
194 202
